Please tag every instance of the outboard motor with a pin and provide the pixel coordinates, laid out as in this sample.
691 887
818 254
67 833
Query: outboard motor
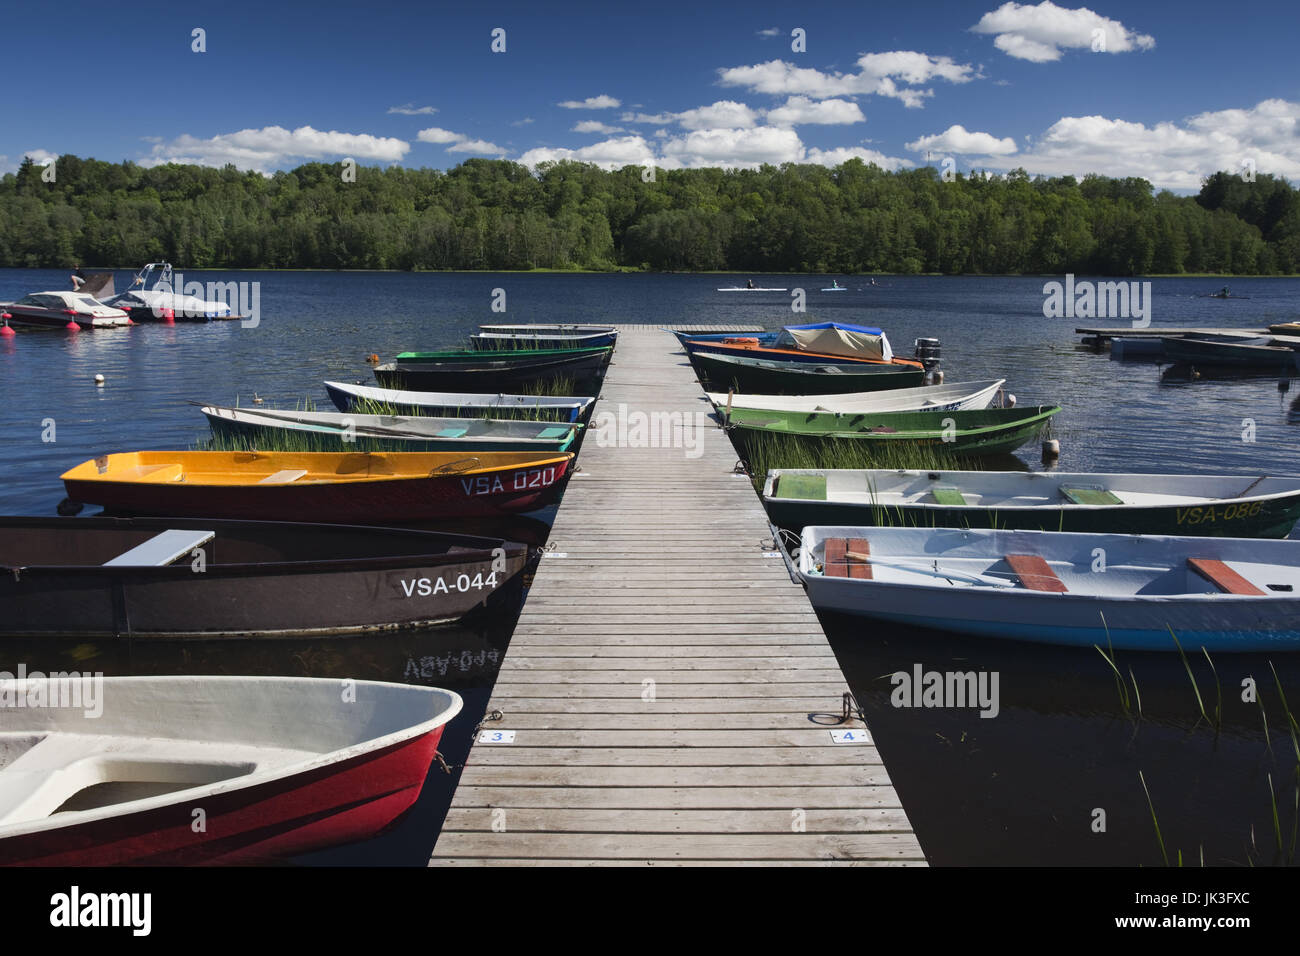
927 352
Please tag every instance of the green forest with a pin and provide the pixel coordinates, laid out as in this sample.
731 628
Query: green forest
499 215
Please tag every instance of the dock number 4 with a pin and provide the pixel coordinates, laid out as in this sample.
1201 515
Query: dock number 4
858 736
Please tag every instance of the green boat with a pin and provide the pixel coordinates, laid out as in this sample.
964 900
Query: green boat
1247 506
988 431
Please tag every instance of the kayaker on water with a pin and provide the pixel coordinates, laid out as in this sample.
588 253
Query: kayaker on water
750 284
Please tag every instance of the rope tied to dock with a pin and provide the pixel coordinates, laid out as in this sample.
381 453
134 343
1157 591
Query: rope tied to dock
489 716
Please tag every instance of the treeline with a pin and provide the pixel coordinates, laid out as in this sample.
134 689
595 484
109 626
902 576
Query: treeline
495 214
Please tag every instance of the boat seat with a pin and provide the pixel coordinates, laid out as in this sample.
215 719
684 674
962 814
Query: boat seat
1222 576
554 431
284 476
1035 573
1090 495
60 765
162 549
847 558
457 431
801 487
947 496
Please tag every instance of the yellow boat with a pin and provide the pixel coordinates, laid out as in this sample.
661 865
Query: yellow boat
336 487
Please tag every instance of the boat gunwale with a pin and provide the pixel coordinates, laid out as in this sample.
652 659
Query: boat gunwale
1070 505
367 748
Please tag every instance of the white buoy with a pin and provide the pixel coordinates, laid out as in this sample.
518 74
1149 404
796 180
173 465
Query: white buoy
1051 449
99 380
256 399
1010 401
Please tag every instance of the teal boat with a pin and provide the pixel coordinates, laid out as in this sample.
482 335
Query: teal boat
1243 506
345 431
989 431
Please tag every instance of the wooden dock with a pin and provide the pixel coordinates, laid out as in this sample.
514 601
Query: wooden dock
666 680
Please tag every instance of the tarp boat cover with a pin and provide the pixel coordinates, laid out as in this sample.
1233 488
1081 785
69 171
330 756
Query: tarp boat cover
837 338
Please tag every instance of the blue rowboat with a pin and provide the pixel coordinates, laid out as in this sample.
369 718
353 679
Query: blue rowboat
1117 590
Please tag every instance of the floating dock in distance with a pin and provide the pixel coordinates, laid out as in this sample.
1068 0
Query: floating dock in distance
662 682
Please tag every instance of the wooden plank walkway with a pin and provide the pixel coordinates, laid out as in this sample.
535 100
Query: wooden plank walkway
662 676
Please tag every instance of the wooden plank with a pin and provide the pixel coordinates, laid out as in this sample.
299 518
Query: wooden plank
632 737
665 690
477 862
669 756
667 576
1222 576
656 721
783 846
672 798
857 820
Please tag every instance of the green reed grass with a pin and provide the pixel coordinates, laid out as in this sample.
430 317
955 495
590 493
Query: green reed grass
767 451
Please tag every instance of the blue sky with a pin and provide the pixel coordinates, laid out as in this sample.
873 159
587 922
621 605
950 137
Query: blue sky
1178 91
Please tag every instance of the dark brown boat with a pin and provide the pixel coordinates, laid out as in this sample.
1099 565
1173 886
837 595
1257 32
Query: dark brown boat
185 577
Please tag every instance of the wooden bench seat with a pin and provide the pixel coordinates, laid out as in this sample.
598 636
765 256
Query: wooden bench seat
162 549
284 476
847 558
1035 573
1221 576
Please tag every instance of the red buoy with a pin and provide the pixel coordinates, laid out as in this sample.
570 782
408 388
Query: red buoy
6 332
73 327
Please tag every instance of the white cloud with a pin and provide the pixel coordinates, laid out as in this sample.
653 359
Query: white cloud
596 126
478 146
657 119
726 148
957 139
435 134
734 147
801 110
608 154
601 102
41 157
1170 155
411 110
460 143
915 68
722 114
273 146
1038 33
842 154
879 74
523 122
770 32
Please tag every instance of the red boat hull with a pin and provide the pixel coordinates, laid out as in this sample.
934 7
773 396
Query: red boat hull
508 491
351 800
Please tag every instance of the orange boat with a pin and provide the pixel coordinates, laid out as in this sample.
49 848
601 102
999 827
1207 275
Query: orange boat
331 487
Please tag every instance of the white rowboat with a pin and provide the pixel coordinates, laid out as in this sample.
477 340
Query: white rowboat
925 398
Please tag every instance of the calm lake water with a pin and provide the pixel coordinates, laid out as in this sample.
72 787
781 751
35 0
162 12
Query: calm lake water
1025 787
